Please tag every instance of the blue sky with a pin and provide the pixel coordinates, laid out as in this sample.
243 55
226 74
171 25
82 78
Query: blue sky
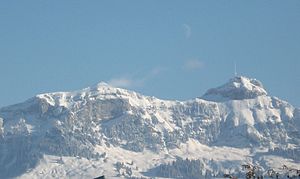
170 49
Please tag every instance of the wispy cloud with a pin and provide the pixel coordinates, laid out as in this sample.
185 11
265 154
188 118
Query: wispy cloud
187 30
122 82
132 81
193 64
157 70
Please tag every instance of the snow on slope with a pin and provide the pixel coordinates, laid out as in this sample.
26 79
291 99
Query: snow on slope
116 132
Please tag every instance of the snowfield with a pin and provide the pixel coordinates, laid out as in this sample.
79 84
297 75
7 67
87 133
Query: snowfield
102 130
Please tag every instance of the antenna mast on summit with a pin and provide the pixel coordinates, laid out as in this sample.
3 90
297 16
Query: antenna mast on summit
235 73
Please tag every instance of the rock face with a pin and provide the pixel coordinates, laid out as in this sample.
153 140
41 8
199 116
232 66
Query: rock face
238 114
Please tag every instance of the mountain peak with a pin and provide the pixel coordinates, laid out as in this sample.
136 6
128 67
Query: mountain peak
100 85
237 88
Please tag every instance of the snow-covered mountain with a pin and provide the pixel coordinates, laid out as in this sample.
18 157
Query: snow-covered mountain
102 130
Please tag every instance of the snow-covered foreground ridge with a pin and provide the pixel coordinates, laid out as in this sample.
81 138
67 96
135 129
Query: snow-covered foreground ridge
102 130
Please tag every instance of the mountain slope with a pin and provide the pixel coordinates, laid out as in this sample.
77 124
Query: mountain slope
89 131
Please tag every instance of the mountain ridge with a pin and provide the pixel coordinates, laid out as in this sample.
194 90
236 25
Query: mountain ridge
90 123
